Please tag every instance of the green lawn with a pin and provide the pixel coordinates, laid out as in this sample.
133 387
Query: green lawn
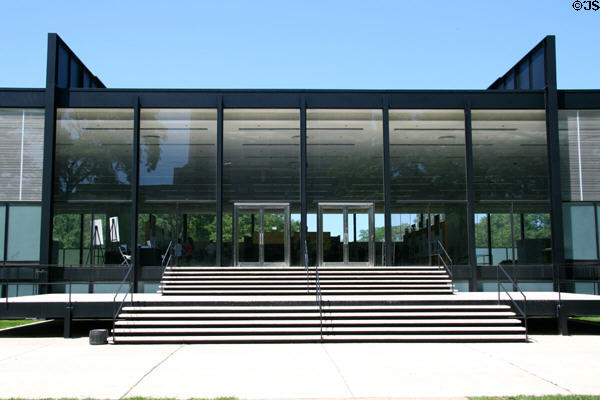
8 323
553 397
588 319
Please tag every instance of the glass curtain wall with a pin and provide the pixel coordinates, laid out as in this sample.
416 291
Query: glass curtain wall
261 165
510 168
428 185
177 201
92 185
345 165
22 145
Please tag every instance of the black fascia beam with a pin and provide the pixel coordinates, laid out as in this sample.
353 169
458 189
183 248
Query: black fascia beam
579 99
529 99
23 98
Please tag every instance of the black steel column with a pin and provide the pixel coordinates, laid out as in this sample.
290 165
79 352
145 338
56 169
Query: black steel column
387 184
553 148
489 237
470 199
134 195
48 164
303 167
219 211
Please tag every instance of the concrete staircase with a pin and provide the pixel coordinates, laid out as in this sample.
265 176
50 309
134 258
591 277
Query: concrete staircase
250 323
271 305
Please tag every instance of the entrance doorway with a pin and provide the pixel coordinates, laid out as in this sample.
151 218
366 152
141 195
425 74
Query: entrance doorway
261 234
346 234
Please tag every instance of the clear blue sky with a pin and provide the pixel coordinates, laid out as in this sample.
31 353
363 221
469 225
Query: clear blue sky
366 44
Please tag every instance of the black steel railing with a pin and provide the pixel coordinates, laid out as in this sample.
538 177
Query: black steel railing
130 290
318 293
445 260
515 288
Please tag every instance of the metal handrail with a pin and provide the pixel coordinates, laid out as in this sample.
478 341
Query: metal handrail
129 291
522 311
305 251
318 293
441 259
441 246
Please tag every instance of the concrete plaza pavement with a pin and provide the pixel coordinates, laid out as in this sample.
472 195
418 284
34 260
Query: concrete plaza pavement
36 367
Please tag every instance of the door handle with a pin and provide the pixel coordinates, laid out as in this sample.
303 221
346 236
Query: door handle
345 237
261 238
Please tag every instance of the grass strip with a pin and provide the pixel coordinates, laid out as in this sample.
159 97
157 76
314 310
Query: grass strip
9 323
551 397
588 319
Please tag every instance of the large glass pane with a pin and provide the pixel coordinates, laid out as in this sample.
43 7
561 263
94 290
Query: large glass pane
449 227
427 154
580 232
22 137
579 132
274 235
509 154
410 234
482 243
494 233
333 235
178 185
178 153
358 235
296 256
92 181
344 154
248 235
379 236
2 233
261 154
24 224
532 233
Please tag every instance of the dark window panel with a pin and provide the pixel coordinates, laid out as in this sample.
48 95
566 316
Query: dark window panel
537 69
62 74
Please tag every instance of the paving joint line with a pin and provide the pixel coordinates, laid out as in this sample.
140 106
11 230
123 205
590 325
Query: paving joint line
521 368
338 370
151 370
25 352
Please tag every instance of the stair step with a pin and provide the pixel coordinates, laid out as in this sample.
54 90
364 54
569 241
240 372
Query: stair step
335 308
284 322
171 281
300 330
249 292
316 338
327 315
303 269
285 286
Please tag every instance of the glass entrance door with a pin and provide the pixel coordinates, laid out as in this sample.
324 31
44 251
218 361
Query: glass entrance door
346 234
262 234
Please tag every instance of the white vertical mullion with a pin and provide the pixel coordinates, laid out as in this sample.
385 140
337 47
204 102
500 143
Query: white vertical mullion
21 164
579 159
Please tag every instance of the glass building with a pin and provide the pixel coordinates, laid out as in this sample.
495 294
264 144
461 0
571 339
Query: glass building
226 178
